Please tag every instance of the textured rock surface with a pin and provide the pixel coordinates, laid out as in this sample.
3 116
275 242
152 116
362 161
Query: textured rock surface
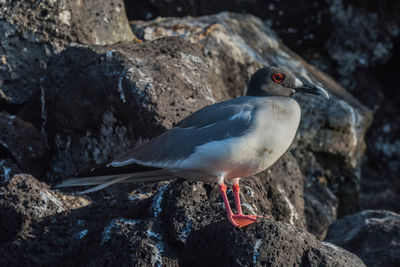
25 201
276 244
44 227
32 31
91 98
23 142
313 16
373 235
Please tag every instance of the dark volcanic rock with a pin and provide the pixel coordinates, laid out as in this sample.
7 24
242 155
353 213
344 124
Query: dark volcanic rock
139 245
362 53
34 30
374 236
263 244
23 142
320 203
380 185
44 227
25 201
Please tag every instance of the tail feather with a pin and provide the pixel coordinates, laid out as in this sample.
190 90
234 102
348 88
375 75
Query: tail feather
69 182
125 179
104 175
107 170
133 177
104 185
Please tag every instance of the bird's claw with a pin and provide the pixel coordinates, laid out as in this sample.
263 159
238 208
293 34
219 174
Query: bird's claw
241 220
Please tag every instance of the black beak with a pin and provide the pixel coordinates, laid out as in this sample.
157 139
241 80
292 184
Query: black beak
312 89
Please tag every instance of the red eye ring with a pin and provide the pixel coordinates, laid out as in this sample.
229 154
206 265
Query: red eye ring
277 77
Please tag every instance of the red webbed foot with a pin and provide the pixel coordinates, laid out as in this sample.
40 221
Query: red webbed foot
241 220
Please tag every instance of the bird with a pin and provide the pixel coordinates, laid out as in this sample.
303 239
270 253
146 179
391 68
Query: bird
221 143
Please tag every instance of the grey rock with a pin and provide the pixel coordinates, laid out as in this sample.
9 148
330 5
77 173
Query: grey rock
311 29
356 44
32 31
373 235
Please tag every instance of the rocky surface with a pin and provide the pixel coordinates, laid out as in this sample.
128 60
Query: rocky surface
24 142
356 42
372 235
52 227
25 201
32 31
277 244
86 97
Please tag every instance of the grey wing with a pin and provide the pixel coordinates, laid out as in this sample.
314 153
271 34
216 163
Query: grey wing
216 113
180 142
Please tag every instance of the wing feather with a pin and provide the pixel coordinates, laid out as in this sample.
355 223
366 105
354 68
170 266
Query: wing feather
224 120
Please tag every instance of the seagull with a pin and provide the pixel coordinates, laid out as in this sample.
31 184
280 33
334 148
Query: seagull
220 143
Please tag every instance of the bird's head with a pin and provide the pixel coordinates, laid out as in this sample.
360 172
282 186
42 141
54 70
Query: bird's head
275 81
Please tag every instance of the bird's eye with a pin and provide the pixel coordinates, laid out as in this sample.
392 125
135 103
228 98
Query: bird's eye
278 77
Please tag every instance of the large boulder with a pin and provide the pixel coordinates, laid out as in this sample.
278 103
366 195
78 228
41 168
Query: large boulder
32 31
298 25
267 244
329 145
373 235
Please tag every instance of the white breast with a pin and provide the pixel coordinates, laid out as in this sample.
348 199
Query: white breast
274 130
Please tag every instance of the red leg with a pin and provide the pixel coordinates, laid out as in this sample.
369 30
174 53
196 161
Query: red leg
236 195
238 220
222 190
